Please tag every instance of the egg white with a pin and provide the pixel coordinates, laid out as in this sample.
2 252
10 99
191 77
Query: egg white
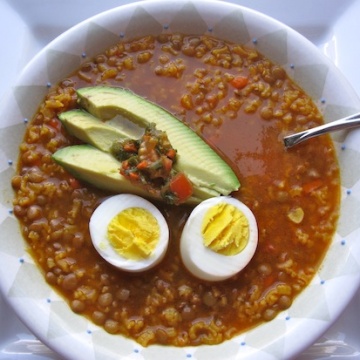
205 263
100 220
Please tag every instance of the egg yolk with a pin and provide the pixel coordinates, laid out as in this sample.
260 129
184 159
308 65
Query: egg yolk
134 233
225 229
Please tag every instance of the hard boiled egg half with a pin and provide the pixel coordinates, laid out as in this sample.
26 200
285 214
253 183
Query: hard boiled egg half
129 232
219 238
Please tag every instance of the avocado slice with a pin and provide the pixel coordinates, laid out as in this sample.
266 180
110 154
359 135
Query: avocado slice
91 130
208 172
99 169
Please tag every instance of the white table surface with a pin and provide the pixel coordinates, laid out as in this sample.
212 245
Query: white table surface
28 25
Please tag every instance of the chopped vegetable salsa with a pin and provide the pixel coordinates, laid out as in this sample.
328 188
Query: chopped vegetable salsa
149 163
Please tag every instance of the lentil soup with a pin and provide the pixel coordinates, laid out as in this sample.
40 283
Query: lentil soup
241 104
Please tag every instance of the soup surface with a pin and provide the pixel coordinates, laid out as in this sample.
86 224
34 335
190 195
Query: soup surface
242 105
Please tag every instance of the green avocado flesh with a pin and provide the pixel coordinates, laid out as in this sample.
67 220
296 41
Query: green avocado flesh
97 167
209 173
92 130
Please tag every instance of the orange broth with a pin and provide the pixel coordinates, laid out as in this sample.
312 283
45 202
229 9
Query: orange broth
192 77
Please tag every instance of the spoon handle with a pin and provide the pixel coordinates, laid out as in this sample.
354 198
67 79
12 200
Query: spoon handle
345 123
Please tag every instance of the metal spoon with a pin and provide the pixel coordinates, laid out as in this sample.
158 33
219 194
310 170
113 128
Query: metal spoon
344 123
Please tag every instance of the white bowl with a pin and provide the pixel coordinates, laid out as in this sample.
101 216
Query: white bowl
313 311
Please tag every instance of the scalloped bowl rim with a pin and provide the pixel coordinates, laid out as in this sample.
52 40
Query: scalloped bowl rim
73 336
